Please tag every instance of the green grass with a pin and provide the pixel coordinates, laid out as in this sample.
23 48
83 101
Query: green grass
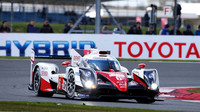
195 90
20 27
12 57
58 28
61 107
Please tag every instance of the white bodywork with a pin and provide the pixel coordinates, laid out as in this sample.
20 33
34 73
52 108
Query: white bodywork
140 73
46 71
50 72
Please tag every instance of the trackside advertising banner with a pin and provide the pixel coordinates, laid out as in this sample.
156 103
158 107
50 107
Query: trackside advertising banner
121 46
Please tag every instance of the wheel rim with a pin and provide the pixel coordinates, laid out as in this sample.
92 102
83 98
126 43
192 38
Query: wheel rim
71 85
36 82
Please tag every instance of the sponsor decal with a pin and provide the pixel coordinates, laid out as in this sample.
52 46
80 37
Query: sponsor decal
163 49
86 52
119 79
118 76
64 85
81 95
121 46
60 83
43 48
44 68
77 58
44 73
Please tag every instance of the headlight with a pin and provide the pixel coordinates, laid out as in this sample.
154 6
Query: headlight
154 86
89 85
88 74
88 79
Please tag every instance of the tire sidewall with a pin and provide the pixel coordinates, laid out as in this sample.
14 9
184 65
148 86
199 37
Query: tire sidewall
37 74
145 100
67 94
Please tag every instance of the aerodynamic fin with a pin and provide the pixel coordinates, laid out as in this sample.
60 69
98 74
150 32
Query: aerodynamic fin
32 62
77 54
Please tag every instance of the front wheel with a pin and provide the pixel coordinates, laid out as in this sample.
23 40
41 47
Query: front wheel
37 84
70 87
145 100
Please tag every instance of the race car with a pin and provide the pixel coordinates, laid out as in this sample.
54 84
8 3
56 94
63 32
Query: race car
94 74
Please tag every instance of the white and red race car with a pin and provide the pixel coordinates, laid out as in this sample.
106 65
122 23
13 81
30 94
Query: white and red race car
94 74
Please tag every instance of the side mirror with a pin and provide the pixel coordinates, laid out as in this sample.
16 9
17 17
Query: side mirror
142 65
66 63
111 70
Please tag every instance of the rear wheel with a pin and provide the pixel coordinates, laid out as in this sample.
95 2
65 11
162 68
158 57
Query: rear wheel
70 87
37 84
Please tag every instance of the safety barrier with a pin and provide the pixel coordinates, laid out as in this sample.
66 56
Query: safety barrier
121 46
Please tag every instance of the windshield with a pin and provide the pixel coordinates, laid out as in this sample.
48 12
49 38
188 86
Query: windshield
104 65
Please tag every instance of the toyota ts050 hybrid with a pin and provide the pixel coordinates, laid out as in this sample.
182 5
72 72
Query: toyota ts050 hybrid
94 74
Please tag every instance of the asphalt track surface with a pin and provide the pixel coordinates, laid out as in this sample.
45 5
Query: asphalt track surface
14 79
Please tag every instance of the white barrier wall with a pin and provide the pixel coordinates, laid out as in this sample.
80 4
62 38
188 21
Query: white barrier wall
121 46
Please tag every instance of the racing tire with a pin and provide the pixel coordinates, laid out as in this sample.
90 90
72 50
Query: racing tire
37 83
109 99
145 100
70 86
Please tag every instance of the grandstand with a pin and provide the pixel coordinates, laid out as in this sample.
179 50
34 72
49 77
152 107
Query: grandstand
57 11
27 16
62 11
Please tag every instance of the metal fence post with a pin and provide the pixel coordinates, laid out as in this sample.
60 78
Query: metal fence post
98 17
175 15
11 17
